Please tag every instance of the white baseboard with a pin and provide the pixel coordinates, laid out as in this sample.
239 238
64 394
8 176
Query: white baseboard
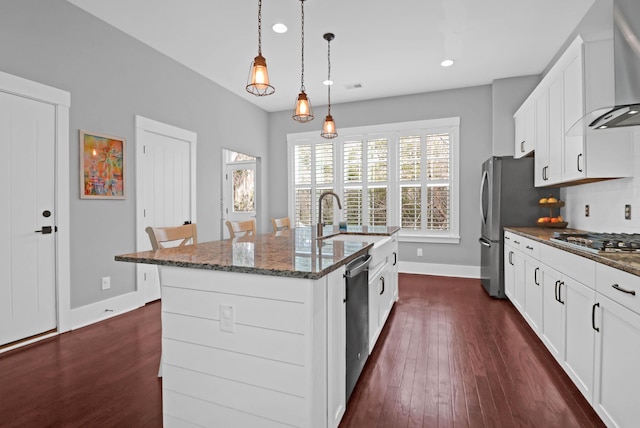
460 271
89 314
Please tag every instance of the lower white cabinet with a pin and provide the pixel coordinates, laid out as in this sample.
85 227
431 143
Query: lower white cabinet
380 300
617 329
579 334
553 325
394 268
588 316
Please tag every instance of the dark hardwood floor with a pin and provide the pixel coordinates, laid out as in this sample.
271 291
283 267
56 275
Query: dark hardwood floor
449 356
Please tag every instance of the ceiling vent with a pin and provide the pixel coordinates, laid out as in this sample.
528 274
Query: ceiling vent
354 86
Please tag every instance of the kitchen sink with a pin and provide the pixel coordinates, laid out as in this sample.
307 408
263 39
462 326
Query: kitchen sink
381 244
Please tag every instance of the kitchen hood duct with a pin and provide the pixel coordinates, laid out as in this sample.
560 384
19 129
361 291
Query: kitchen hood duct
625 110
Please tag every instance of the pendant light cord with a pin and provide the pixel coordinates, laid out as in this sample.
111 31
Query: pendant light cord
260 27
302 50
329 76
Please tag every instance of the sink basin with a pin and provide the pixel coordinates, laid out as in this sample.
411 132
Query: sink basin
381 244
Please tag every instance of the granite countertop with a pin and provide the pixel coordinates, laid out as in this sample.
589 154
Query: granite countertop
628 262
293 253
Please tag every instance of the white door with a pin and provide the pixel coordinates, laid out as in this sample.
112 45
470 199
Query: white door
239 196
165 188
27 219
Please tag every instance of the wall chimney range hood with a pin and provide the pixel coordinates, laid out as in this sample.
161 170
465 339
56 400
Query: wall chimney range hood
626 63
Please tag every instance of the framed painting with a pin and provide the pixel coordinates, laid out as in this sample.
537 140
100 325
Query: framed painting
102 166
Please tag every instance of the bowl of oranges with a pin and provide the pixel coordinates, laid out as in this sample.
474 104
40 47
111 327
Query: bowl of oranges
551 220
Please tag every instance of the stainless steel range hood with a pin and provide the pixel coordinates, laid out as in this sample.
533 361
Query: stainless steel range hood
626 57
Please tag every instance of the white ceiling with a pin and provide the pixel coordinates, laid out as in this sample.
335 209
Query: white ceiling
390 47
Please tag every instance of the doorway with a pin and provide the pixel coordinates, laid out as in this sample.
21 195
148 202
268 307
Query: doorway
34 226
165 188
239 192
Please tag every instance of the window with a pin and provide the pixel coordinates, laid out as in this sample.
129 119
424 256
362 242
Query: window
397 174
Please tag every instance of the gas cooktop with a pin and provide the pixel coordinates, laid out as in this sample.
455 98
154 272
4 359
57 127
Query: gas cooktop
600 242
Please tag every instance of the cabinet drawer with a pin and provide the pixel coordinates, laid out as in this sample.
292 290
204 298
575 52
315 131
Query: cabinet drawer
514 240
619 286
530 247
579 268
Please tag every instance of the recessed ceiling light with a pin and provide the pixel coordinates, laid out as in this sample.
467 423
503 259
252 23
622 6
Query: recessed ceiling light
279 28
447 63
327 82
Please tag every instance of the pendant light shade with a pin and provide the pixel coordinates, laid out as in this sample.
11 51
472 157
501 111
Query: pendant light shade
258 80
302 111
329 126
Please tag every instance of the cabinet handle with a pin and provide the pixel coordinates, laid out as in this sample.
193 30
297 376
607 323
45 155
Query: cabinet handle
382 280
395 258
593 317
522 147
578 159
624 290
511 258
517 242
560 292
507 238
556 290
529 247
535 276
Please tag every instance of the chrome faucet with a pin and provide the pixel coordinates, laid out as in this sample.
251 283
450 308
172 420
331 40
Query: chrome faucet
320 223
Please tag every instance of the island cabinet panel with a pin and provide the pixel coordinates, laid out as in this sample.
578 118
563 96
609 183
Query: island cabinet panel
270 370
259 312
188 412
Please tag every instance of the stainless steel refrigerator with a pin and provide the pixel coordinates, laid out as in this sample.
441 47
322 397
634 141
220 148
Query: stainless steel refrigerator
507 198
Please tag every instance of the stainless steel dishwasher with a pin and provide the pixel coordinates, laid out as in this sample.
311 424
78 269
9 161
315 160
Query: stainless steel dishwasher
357 318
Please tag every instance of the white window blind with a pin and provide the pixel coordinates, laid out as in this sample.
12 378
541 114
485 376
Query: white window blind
386 175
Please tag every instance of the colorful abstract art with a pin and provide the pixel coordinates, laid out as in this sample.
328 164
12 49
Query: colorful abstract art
102 166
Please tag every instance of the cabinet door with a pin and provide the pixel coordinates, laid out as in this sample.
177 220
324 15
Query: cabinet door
580 336
533 294
518 281
394 270
542 138
574 161
519 123
336 345
509 273
385 296
525 124
552 174
617 385
553 328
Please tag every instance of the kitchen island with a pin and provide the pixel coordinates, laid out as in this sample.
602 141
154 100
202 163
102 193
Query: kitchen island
253 328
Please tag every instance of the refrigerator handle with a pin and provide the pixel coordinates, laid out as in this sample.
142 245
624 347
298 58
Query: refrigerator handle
485 174
484 242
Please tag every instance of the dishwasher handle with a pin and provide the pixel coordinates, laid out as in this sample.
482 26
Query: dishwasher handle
355 268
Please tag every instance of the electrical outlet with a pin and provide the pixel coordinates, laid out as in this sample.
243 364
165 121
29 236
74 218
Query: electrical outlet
227 318
419 253
106 282
627 212
586 210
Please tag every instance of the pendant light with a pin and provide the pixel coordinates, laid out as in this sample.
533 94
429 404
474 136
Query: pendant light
329 126
258 80
302 111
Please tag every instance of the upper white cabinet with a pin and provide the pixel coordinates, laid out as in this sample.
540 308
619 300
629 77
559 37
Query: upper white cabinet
566 152
525 124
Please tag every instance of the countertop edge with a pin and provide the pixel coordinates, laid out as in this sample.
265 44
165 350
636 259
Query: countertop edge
605 259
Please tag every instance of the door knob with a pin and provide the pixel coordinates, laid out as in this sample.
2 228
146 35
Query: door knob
45 230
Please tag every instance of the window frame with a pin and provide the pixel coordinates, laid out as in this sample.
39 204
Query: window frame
393 132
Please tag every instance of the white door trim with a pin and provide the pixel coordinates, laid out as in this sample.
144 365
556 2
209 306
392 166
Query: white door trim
61 100
143 125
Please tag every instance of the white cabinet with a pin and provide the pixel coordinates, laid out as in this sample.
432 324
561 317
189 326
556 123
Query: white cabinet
380 300
336 345
525 129
553 325
617 325
509 271
565 151
579 334
533 293
394 269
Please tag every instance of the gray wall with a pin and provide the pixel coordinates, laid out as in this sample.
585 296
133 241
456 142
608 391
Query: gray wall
112 78
508 96
472 105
